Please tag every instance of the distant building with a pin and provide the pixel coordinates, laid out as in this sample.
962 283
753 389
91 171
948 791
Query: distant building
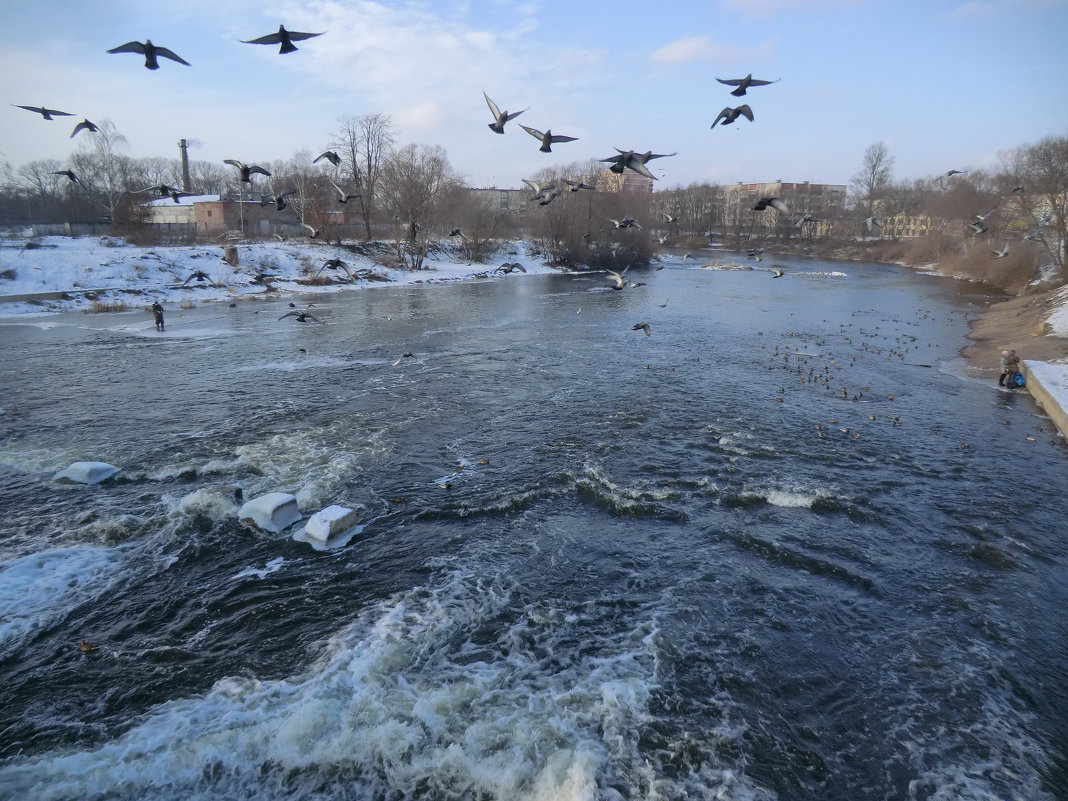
804 197
626 181
214 214
509 201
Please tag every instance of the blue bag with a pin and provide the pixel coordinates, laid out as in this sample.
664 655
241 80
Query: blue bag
1017 379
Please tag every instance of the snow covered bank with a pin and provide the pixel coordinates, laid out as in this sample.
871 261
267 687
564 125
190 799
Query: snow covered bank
64 273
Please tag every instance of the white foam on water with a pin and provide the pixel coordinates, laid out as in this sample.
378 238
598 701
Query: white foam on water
272 566
409 701
306 463
801 500
36 588
292 365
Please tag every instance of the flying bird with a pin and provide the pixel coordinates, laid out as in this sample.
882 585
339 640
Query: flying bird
629 160
84 125
342 195
199 275
729 115
806 219
510 267
776 273
302 316
618 282
459 233
282 37
979 226
246 170
871 223
313 233
744 83
669 218
1000 254
164 190
948 174
69 173
543 194
336 264
499 117
754 253
150 52
575 186
626 222
776 203
547 139
46 113
330 156
641 327
280 200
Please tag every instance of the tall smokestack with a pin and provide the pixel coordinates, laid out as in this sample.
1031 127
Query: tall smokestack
186 182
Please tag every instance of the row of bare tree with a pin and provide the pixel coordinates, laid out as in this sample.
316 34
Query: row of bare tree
416 189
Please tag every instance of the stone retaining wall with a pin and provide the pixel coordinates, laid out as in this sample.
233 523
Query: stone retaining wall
1047 392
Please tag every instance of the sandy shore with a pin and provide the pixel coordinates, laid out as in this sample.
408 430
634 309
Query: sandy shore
1018 323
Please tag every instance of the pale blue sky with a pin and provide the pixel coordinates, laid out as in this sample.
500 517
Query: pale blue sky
943 83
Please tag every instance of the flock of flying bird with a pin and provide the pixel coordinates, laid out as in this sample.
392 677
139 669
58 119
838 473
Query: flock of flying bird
543 193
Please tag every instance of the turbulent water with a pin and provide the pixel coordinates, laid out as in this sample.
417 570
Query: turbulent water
784 547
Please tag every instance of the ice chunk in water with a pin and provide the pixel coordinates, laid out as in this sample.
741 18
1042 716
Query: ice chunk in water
86 473
271 512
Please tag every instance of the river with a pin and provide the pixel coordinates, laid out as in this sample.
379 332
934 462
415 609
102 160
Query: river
785 546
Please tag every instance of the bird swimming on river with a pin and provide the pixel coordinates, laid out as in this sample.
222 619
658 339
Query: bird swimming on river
547 139
46 113
282 37
729 115
150 52
745 83
246 170
84 125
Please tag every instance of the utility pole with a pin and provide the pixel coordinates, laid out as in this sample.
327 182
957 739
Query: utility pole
186 182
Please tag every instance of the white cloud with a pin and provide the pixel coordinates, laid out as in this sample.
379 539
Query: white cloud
701 48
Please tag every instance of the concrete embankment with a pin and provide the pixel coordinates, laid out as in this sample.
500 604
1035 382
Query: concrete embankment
1048 385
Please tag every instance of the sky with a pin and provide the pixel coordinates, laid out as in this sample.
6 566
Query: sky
943 83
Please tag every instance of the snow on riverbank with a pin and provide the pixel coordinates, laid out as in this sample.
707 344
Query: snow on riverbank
112 271
108 271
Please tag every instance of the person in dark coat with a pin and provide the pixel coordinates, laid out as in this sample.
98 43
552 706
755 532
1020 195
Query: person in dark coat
1010 365
157 314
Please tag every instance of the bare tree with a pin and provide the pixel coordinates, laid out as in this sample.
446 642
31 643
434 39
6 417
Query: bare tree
364 144
103 171
870 184
1045 187
416 180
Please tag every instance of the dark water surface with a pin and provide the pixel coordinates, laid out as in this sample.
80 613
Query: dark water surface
783 548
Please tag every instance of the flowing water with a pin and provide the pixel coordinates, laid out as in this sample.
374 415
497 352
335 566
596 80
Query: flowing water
784 547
